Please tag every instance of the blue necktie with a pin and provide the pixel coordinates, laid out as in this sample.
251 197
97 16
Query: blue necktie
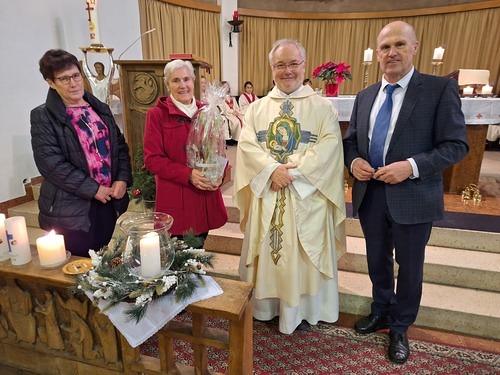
380 129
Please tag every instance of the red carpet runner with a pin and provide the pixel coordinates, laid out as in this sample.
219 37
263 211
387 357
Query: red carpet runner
327 349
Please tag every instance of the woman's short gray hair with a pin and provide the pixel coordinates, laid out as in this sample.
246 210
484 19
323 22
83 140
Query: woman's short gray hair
174 65
283 42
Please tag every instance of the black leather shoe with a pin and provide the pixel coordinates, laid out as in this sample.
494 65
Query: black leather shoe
371 323
303 326
399 348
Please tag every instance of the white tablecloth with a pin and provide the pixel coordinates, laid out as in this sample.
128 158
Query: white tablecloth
477 111
157 315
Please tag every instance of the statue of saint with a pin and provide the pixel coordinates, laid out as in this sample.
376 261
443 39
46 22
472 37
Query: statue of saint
100 82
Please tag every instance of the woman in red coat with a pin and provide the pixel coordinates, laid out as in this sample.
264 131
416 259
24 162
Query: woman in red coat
181 191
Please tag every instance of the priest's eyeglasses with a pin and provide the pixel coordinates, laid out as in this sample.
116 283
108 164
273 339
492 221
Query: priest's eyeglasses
65 80
293 66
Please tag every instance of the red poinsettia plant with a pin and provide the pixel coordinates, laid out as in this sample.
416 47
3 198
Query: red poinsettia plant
331 72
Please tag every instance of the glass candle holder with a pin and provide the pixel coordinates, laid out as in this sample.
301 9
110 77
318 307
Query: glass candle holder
149 251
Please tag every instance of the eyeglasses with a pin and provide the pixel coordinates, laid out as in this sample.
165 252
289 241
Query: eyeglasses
65 80
292 66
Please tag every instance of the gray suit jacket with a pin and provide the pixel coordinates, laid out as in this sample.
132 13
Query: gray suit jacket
430 129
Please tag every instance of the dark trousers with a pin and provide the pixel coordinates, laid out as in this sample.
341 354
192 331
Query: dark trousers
102 224
383 236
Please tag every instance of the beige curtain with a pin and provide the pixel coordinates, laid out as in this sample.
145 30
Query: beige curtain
471 40
181 30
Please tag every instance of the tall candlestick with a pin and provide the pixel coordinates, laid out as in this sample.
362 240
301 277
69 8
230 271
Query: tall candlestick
17 237
438 53
368 55
150 254
4 245
51 249
95 36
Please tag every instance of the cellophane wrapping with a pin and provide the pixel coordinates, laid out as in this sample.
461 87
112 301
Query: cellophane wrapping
206 142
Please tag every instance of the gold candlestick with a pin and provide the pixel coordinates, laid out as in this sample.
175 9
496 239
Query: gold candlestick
435 64
366 64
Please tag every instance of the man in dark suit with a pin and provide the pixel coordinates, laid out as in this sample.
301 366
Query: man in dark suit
399 193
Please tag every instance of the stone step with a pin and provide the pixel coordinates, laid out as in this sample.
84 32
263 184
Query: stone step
474 312
443 265
228 239
442 237
460 310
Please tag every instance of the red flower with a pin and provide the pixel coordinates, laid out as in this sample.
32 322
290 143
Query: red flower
136 192
332 72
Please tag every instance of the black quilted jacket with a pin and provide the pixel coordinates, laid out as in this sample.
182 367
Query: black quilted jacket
68 189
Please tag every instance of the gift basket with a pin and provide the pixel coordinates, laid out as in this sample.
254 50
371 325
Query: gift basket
206 141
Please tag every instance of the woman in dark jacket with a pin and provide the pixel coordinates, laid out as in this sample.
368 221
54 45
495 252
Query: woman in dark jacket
82 155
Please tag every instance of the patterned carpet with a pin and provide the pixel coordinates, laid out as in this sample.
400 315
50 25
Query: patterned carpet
327 349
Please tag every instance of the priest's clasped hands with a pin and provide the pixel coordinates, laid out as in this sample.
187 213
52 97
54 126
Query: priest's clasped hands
281 178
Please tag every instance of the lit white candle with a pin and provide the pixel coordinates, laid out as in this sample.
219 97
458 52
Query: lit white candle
487 90
4 245
95 37
438 53
17 238
368 55
51 249
468 90
150 254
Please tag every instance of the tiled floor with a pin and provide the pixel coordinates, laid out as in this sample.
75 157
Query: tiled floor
488 206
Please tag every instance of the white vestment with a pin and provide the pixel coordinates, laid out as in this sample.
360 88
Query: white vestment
293 237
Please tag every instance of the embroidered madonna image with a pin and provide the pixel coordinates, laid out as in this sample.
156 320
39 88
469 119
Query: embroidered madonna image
283 137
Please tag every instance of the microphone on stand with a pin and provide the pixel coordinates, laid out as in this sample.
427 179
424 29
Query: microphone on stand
135 41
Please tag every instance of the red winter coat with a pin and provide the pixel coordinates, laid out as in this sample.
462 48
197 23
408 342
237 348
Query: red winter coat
165 137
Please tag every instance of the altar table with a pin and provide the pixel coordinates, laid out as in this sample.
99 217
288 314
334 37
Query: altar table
481 115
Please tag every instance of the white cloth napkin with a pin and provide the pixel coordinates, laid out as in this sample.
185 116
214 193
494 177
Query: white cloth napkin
158 313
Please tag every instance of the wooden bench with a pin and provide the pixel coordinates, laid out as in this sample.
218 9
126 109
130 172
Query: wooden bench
233 305
36 307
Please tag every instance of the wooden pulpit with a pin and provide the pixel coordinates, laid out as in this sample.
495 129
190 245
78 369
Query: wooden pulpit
141 84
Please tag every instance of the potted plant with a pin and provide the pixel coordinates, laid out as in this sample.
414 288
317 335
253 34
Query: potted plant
332 74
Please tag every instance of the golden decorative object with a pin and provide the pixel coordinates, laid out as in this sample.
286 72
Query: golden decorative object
471 193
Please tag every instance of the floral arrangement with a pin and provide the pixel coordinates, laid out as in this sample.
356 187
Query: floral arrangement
331 72
144 185
111 280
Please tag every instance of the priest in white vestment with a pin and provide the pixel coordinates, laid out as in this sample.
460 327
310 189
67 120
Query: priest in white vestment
289 188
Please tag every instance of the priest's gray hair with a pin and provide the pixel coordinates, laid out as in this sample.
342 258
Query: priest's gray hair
283 42
174 65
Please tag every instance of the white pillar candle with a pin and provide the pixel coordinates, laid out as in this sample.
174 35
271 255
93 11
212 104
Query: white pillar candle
468 90
17 237
438 53
51 249
95 37
368 55
150 254
4 245
487 90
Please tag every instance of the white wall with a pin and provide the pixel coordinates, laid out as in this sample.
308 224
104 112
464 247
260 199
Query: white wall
28 28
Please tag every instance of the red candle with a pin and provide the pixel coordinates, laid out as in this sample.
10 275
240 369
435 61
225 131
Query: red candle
235 15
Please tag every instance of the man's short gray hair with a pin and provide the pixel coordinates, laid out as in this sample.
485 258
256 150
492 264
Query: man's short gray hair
283 42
